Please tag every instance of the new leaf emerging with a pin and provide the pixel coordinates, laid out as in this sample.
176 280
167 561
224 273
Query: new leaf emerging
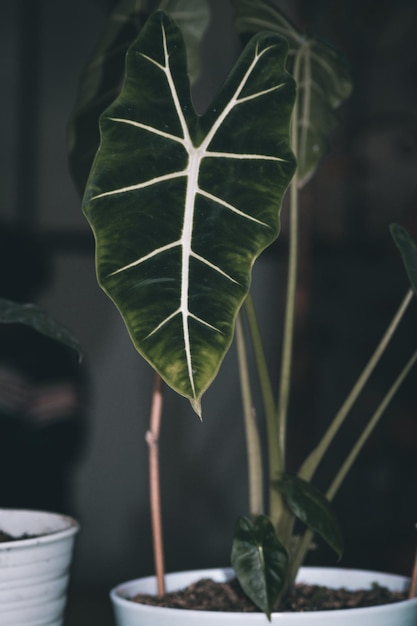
260 561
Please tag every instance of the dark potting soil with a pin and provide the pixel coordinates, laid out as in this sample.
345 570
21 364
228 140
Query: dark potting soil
6 537
208 595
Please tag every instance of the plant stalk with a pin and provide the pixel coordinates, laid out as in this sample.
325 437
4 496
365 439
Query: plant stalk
152 439
289 322
351 458
289 319
310 465
275 467
253 445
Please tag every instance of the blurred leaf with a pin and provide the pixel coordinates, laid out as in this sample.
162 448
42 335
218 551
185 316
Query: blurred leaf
408 249
193 19
311 507
260 562
37 318
102 78
320 71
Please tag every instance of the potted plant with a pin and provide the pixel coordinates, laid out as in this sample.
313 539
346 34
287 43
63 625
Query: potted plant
181 205
36 550
35 546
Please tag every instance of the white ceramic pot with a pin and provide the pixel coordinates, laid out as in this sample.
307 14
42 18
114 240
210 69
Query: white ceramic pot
34 573
129 613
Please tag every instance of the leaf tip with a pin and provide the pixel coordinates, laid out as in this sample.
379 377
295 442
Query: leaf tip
196 404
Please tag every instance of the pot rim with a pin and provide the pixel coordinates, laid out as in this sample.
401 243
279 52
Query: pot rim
71 527
227 572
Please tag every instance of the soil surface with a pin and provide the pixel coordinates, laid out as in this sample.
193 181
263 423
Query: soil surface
208 595
6 537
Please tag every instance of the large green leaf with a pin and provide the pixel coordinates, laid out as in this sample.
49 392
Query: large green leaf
181 205
311 507
102 78
37 318
260 561
408 249
320 71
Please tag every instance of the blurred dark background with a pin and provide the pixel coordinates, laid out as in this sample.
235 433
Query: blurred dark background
351 283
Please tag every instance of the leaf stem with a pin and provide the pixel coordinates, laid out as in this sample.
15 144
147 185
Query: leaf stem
288 336
275 468
253 446
341 474
305 541
289 320
299 555
152 439
310 465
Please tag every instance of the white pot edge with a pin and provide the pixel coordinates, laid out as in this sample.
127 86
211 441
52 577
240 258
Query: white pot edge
322 575
56 526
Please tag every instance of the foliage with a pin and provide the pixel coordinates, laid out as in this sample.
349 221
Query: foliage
258 555
102 78
182 205
321 73
180 287
37 318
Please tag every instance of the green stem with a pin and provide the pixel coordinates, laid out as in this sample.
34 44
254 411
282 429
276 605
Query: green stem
310 465
286 358
305 541
299 555
253 446
268 403
351 458
289 320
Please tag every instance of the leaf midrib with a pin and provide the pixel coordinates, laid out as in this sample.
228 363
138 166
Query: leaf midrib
196 154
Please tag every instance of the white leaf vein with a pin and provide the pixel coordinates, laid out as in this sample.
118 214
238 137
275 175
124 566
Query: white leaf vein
143 185
191 172
242 156
232 208
151 129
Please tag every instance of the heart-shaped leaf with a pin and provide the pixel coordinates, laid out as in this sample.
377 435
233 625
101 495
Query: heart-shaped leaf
260 561
38 319
408 249
181 205
102 78
311 507
321 73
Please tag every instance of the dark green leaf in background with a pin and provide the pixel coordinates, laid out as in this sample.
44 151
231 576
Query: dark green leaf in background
38 319
102 78
311 507
181 205
408 249
321 73
260 561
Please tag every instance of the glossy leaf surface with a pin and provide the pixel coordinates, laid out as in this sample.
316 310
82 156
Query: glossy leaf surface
321 73
311 507
102 78
37 318
408 249
181 205
260 561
